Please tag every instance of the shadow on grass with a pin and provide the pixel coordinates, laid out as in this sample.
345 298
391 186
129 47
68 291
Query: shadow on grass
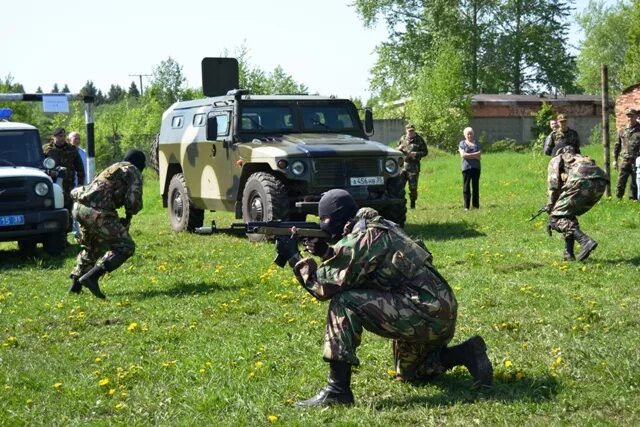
181 290
635 261
443 231
39 258
455 390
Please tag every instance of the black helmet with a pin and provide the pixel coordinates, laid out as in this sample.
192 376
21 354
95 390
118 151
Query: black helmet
136 158
339 206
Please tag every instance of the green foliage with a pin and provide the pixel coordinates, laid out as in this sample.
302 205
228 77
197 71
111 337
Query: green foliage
168 83
541 121
505 145
440 109
608 30
259 82
204 330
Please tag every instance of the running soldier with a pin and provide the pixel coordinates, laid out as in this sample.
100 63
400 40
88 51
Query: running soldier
627 148
414 148
102 233
379 279
575 184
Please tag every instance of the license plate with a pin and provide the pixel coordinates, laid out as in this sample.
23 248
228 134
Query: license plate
367 180
9 220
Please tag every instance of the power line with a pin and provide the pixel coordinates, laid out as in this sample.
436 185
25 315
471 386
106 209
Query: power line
140 76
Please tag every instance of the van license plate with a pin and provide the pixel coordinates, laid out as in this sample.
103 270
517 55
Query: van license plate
367 180
9 220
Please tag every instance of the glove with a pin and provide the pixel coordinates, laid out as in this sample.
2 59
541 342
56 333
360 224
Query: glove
286 248
316 246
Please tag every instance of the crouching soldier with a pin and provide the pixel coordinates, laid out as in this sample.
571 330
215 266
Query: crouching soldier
104 237
379 279
575 184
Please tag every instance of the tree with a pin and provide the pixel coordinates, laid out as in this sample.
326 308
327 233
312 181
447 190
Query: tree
39 89
89 89
133 90
607 31
66 89
440 107
168 82
630 72
115 94
55 88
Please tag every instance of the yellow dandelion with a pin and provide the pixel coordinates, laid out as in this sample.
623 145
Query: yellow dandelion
120 405
169 363
29 402
133 326
98 359
508 363
124 394
272 418
57 386
584 268
391 373
202 370
112 391
259 364
103 382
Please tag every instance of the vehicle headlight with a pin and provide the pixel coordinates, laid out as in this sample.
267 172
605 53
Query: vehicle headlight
390 166
41 188
49 163
297 168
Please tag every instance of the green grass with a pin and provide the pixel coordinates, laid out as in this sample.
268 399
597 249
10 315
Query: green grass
205 330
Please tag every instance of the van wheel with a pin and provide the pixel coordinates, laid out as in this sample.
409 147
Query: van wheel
55 243
27 246
182 215
264 198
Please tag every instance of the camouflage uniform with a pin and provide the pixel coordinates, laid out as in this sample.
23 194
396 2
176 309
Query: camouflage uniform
569 137
95 209
411 168
628 148
68 156
379 279
575 185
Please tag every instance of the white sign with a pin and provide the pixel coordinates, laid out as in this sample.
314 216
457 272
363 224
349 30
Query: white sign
55 104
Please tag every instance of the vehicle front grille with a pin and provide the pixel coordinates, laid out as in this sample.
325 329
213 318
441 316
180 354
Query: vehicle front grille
335 172
16 194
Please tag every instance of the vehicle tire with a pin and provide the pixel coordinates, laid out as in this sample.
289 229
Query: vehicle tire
27 246
264 198
398 212
183 216
55 243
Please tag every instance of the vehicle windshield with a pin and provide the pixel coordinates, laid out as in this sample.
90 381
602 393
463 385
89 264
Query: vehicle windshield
20 148
267 119
328 118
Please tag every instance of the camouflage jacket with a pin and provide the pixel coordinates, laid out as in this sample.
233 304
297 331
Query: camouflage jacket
569 136
376 254
628 143
69 157
567 169
415 145
118 185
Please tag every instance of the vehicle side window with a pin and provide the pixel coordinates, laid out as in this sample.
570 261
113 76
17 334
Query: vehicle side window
177 122
223 124
199 120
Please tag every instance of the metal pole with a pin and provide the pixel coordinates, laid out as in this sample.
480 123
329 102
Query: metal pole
605 126
91 152
140 77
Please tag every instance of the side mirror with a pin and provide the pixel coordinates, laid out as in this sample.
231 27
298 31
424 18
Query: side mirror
368 122
212 129
49 163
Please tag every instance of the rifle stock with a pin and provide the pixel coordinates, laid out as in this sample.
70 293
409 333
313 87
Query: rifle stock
271 228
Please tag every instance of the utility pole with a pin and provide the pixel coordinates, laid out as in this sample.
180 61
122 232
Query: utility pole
140 76
604 79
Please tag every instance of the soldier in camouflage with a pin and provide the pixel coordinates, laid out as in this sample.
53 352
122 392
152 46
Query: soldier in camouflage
379 279
575 184
66 155
627 148
414 148
562 133
106 243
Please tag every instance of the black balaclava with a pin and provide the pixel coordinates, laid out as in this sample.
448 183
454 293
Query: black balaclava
136 158
340 207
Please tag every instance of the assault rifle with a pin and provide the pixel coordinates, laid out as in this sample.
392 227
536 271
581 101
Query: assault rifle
273 228
537 214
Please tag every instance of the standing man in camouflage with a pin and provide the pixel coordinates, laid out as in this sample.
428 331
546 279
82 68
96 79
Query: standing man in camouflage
106 243
414 148
575 184
379 279
627 148
68 156
562 132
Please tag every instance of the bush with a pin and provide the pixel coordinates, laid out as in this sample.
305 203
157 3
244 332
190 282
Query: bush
506 144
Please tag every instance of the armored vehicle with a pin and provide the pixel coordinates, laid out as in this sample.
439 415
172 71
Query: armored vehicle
270 157
31 204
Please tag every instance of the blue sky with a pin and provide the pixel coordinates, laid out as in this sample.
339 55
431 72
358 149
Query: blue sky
320 43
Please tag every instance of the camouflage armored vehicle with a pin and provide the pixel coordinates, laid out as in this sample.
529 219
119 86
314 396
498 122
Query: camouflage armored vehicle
269 157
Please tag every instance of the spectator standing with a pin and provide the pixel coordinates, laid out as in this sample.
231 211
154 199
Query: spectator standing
553 124
563 134
627 148
74 139
414 148
470 152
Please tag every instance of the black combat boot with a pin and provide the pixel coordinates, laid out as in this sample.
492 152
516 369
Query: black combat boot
587 244
76 287
568 248
337 391
413 204
90 280
471 354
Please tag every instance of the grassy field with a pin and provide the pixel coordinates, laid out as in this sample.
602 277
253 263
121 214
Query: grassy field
205 330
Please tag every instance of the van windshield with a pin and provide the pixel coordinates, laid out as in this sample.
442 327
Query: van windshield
20 148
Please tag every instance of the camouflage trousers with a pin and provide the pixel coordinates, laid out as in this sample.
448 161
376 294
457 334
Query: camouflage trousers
411 177
627 171
418 335
101 236
577 197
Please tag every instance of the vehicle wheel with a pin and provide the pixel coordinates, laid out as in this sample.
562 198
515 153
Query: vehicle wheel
27 246
264 198
55 243
182 215
396 213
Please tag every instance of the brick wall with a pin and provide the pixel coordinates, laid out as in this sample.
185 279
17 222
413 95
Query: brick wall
630 98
